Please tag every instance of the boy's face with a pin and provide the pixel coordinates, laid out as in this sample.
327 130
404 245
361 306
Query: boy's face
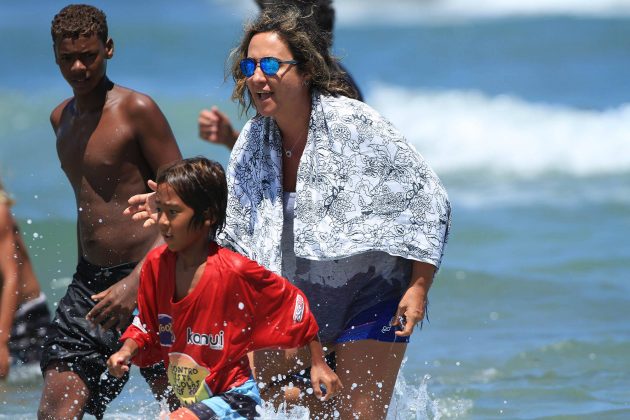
83 61
174 221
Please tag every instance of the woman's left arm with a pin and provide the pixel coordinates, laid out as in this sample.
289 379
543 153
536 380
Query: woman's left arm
413 303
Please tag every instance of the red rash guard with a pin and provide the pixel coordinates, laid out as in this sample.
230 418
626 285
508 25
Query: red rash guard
236 307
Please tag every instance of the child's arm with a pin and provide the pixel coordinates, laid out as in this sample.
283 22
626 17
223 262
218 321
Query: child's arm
118 363
321 373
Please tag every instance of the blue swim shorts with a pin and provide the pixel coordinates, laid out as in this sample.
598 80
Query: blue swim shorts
374 323
238 403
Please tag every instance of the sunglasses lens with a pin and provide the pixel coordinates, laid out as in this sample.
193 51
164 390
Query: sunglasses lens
248 67
269 65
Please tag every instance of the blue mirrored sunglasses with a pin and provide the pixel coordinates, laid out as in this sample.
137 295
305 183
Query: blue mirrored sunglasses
268 65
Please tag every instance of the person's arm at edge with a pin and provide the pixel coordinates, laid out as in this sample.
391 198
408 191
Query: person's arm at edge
9 274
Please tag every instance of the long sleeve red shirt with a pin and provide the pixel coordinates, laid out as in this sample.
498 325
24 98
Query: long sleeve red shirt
236 307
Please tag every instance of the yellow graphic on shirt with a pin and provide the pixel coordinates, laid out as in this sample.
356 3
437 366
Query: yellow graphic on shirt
187 378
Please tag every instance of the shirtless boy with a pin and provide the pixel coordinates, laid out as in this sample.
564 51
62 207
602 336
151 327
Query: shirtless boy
110 141
24 315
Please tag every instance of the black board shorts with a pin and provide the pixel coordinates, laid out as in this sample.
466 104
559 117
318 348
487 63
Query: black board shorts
74 344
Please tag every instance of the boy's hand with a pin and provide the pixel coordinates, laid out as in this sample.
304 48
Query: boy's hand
118 363
322 374
115 305
142 206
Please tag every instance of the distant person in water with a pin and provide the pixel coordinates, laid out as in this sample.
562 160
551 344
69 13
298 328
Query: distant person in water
24 315
216 127
110 141
202 307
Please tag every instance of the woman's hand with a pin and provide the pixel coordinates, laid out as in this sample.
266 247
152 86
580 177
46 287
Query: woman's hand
413 303
142 206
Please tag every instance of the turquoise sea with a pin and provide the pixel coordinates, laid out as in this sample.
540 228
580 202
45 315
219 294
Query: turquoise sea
523 109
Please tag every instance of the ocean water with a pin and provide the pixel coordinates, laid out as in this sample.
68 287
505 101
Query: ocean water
523 109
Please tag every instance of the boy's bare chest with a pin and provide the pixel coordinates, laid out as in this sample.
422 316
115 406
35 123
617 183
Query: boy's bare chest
96 146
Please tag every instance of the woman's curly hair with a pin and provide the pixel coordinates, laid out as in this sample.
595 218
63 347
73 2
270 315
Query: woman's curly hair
308 45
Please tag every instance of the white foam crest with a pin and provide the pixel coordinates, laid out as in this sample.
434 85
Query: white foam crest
373 12
461 131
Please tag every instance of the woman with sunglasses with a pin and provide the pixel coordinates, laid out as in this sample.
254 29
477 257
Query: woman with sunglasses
326 192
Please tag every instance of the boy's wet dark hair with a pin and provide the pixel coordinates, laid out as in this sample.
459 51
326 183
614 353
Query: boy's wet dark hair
200 183
77 20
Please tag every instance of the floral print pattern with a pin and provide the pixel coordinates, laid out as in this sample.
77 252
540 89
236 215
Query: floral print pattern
360 187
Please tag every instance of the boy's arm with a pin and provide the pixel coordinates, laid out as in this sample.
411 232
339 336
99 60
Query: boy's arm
282 318
9 285
321 373
118 363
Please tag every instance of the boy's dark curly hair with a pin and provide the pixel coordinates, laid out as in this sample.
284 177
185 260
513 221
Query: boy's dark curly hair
77 20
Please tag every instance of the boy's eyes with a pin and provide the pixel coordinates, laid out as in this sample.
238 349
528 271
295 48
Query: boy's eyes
172 212
85 58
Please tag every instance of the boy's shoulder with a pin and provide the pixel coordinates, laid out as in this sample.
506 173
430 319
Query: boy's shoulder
131 100
157 254
238 263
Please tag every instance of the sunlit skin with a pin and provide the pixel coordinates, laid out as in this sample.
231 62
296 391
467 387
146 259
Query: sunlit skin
82 61
174 218
285 97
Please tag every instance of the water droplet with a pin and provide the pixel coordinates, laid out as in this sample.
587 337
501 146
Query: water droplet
241 306
29 221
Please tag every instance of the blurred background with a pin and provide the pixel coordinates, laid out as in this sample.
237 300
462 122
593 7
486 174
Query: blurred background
522 108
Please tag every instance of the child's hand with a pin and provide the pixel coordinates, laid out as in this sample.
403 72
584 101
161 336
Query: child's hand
118 363
142 206
322 374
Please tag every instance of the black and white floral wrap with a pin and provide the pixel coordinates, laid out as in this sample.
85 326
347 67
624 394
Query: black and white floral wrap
360 186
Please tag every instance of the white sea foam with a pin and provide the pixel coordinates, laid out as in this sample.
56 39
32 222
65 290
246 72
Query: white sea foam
353 12
460 132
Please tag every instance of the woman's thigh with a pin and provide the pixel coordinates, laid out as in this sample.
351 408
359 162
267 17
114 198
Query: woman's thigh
368 371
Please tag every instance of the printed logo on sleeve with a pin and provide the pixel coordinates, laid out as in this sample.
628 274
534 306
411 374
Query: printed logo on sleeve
298 311
165 326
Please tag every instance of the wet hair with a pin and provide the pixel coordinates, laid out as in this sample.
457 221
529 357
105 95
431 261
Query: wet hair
309 46
200 183
79 20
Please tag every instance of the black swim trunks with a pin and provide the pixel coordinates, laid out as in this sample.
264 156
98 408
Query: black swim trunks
74 344
30 326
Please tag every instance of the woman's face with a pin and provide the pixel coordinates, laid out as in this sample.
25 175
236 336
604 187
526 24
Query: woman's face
281 95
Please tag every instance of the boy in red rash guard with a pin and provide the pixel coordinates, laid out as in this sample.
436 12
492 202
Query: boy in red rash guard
202 307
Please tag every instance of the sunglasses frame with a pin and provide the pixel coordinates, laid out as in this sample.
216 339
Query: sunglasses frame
263 64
